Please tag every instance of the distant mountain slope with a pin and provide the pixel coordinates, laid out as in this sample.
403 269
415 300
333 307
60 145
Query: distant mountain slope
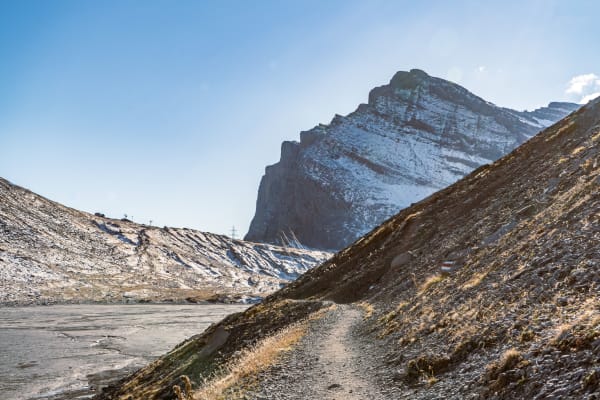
52 253
486 289
416 135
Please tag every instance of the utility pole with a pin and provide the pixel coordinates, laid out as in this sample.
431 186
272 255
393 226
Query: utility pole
233 231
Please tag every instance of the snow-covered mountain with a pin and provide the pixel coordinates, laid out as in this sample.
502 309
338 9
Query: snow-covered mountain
415 136
52 253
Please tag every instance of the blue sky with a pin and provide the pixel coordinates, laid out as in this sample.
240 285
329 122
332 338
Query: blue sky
169 111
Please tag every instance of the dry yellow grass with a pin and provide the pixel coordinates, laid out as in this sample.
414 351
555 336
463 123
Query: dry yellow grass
475 280
388 322
431 379
253 360
588 164
367 309
429 282
186 394
578 150
565 129
509 357
589 316
509 360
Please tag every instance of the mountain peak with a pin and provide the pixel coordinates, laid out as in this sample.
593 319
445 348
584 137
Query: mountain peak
416 135
408 80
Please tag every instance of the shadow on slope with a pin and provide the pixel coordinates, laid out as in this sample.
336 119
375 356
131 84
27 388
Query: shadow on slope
515 310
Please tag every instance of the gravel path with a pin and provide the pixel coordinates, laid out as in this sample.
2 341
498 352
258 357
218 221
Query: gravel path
330 362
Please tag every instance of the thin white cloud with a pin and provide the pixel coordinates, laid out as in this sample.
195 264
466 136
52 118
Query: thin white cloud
586 87
586 99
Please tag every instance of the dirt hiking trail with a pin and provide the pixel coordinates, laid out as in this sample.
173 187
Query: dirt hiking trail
331 362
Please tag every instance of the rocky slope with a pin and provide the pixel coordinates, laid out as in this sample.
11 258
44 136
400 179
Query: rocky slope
416 135
486 289
52 253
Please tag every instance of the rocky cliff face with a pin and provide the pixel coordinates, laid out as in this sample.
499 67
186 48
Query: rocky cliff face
52 253
415 135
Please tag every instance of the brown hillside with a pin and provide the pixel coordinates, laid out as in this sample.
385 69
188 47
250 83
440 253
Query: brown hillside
517 315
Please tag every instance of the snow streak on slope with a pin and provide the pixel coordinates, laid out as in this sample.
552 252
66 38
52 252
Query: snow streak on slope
51 253
415 136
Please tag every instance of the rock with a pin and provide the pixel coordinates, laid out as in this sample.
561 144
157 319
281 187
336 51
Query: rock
562 301
415 135
400 260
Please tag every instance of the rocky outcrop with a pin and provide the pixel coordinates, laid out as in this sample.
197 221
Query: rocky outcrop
415 135
50 253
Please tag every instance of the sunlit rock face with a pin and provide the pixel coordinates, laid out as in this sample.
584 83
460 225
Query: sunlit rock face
416 135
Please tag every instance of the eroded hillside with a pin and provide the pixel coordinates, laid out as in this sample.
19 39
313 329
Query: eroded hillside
489 288
50 253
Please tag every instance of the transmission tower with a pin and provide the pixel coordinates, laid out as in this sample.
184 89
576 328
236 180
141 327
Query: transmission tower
233 231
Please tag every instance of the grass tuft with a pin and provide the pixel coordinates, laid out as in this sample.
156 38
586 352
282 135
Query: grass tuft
368 309
578 150
251 361
509 360
188 393
429 282
475 280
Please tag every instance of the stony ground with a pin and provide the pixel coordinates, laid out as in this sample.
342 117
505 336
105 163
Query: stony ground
339 360
516 316
331 362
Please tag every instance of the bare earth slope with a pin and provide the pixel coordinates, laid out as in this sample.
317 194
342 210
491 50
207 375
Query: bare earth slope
516 314
52 253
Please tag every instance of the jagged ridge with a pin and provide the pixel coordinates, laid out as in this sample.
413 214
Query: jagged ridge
415 136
